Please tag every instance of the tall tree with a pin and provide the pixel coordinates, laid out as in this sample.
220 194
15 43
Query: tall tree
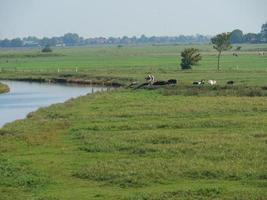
190 57
264 32
236 36
71 39
221 42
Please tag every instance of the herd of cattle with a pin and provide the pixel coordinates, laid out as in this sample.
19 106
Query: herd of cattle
150 80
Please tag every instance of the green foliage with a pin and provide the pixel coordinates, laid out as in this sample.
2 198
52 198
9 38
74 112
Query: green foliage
71 39
264 32
190 57
47 49
221 42
236 36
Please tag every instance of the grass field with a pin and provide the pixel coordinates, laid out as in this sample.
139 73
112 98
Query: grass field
138 145
176 142
134 62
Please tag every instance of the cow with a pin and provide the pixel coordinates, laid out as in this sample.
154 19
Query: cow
230 82
172 81
202 82
150 79
235 54
212 82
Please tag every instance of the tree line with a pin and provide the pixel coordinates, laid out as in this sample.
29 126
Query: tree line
237 36
73 39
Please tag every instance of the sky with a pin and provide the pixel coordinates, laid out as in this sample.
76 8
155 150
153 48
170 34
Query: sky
94 18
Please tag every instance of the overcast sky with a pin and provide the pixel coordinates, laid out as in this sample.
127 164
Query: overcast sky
90 18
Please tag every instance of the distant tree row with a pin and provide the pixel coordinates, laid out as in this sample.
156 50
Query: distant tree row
237 36
73 39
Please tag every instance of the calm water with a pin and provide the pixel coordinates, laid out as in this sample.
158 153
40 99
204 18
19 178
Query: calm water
25 97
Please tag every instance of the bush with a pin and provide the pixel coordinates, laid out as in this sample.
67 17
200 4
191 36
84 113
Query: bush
47 49
190 57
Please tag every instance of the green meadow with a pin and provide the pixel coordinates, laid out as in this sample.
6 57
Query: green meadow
128 63
173 142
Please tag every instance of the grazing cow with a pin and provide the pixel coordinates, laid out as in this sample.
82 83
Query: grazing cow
150 79
202 82
172 81
261 53
235 54
230 82
160 83
212 82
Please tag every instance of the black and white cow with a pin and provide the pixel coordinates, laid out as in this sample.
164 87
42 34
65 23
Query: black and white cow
150 79
202 82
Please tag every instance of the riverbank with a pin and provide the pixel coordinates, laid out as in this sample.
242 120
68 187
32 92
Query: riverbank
25 97
138 144
178 142
81 79
3 88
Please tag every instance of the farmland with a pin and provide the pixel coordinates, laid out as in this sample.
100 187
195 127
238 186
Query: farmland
173 142
128 63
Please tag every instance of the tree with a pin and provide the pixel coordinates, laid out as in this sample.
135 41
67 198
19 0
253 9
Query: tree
236 36
45 41
5 43
252 37
71 39
47 49
190 57
17 42
264 33
221 42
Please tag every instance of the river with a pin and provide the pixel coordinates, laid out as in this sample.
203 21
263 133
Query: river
25 97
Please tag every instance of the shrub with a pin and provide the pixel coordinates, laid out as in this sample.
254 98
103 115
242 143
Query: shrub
190 57
47 49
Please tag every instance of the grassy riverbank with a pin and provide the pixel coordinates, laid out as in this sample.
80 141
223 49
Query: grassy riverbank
182 142
142 144
3 88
